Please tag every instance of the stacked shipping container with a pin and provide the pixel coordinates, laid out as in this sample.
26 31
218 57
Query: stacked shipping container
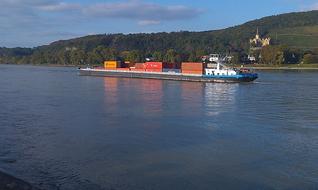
138 67
153 66
112 64
186 67
193 68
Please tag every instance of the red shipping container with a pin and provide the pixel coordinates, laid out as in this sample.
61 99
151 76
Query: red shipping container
154 65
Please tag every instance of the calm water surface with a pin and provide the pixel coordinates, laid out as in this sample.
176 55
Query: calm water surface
62 131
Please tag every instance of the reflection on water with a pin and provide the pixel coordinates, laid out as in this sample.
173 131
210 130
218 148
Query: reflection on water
63 131
145 95
149 92
219 98
111 92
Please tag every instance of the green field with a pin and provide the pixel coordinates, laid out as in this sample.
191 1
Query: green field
298 37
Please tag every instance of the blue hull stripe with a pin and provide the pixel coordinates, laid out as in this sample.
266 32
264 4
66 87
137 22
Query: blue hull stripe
232 76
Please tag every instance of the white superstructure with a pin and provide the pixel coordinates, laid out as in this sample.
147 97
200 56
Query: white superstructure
220 70
214 58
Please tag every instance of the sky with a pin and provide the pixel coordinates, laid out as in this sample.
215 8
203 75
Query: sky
30 23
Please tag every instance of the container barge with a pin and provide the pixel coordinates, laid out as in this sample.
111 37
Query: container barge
196 72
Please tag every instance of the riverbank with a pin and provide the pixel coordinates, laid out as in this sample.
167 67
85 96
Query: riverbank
284 67
8 182
46 65
255 67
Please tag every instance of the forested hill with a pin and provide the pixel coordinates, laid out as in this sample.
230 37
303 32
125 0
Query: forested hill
175 46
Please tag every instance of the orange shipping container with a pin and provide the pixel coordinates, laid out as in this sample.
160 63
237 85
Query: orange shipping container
112 64
192 72
191 69
193 66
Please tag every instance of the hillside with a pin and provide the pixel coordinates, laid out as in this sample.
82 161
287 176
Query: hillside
305 37
295 30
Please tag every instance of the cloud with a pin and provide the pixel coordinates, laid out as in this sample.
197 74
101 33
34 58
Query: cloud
314 6
143 13
140 10
60 6
308 6
20 19
148 22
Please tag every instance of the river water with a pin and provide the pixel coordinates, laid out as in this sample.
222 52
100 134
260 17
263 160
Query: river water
59 130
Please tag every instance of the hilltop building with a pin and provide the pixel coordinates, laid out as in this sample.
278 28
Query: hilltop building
258 42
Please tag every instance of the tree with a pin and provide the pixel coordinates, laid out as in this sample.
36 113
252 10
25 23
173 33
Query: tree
236 58
135 56
174 46
310 59
78 57
279 57
292 56
272 55
192 57
38 58
172 56
157 56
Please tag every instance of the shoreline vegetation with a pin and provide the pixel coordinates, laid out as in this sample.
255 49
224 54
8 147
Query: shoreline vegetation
252 66
283 67
8 182
294 39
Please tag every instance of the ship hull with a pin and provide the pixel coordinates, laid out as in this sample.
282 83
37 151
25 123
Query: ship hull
168 76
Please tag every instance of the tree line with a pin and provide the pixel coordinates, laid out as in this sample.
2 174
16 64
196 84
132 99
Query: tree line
171 47
271 55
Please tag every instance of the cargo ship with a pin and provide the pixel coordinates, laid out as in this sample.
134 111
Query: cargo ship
188 71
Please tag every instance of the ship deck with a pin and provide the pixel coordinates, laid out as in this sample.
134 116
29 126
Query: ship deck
164 76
